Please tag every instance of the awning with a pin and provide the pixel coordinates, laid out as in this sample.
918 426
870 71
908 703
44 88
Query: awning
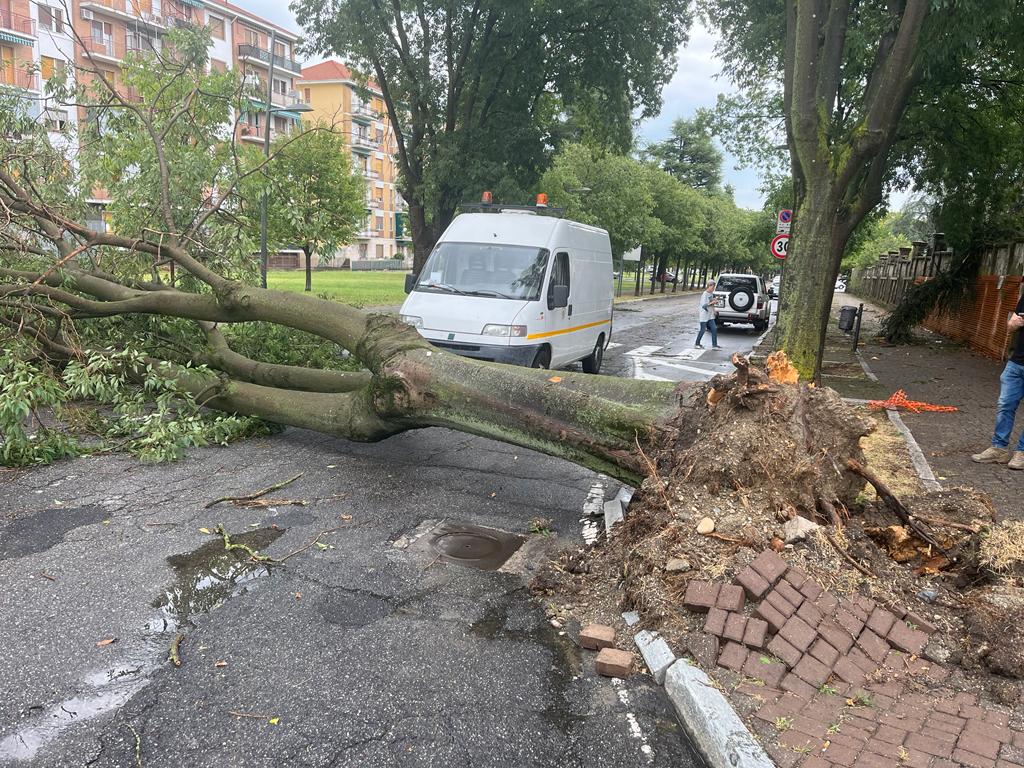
11 37
193 3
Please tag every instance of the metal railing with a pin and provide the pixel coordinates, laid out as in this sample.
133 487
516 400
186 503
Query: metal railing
17 23
362 142
288 100
362 112
19 78
250 51
103 46
143 44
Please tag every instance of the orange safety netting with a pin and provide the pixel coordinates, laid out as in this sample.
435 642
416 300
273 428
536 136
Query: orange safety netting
898 399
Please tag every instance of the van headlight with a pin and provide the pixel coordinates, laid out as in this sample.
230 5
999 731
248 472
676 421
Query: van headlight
413 320
492 329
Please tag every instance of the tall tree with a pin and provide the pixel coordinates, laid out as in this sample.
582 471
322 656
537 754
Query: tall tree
849 71
315 199
476 89
690 154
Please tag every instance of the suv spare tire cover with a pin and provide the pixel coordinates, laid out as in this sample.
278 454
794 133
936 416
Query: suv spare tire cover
741 299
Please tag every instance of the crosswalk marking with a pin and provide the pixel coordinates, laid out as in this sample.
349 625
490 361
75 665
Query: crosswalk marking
642 351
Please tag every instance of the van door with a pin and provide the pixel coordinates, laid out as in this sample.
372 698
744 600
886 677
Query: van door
560 318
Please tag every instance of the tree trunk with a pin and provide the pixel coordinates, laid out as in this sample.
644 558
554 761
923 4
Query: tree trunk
639 281
424 236
308 251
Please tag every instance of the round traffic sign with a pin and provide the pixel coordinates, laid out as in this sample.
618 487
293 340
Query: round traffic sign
780 246
785 215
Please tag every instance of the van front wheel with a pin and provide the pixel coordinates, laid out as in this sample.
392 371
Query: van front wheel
542 359
592 363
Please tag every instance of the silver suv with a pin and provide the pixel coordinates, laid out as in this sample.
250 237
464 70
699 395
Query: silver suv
742 299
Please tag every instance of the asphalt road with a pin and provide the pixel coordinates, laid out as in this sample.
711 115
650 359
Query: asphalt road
355 652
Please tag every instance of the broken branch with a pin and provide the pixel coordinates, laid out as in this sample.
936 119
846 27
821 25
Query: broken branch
251 496
846 555
172 653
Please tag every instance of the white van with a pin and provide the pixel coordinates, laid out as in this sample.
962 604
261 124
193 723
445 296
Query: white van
515 286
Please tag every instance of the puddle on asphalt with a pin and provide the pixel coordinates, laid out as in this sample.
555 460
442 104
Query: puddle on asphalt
204 579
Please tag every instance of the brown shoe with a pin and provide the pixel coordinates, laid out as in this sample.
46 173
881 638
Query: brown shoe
1017 462
992 455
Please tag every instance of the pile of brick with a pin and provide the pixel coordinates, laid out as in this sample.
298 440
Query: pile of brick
610 661
837 676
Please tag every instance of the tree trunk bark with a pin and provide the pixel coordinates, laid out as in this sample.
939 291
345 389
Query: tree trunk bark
308 251
424 236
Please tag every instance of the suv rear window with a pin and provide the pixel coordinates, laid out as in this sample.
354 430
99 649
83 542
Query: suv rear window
732 282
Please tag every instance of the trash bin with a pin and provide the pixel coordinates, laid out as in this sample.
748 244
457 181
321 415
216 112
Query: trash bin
847 318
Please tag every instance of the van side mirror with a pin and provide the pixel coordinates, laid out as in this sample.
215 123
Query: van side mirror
410 283
559 296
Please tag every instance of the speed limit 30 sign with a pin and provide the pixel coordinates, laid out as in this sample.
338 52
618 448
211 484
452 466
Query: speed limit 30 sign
780 246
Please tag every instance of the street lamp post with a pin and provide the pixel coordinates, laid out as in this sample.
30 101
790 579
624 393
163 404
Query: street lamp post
266 155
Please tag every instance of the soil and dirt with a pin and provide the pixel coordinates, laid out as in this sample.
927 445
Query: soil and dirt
752 453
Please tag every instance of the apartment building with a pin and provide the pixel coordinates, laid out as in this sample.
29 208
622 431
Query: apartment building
336 98
98 34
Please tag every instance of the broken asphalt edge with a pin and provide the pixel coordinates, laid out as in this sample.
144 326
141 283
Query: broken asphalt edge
714 728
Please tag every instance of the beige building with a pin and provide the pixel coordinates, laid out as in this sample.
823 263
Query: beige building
337 99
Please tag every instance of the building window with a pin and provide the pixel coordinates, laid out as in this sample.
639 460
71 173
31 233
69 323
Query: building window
280 86
48 66
380 250
252 37
379 223
216 65
56 119
51 19
217 28
306 93
279 50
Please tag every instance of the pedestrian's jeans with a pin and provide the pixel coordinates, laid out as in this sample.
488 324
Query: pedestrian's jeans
710 326
1011 392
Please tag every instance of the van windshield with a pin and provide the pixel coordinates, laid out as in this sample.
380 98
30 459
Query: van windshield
482 269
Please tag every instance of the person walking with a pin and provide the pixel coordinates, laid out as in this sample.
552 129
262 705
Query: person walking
706 316
1011 393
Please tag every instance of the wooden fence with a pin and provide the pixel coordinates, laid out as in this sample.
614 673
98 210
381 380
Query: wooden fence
980 322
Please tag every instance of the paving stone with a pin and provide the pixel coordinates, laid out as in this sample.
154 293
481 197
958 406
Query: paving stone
733 657
854 607
843 756
781 604
997 717
771 615
929 745
754 584
947 706
837 637
730 598
849 671
765 669
798 687
657 655
769 565
858 657
795 577
784 650
880 621
890 734
945 723
848 621
701 595
611 662
987 731
920 622
907 639
755 634
597 636
810 613
797 633
871 760
703 647
792 596
824 652
866 604
811 671
715 622
875 647
735 626
824 600
972 760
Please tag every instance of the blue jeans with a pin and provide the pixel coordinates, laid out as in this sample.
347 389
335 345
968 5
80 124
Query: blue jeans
1011 392
710 326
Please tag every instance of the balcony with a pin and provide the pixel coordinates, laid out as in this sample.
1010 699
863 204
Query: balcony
18 78
109 5
139 44
362 114
103 47
289 100
364 234
362 144
21 25
250 52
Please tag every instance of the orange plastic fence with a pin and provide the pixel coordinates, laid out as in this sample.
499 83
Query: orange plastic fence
898 399
981 322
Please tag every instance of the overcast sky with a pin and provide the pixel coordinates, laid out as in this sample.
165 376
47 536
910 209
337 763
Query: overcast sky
696 84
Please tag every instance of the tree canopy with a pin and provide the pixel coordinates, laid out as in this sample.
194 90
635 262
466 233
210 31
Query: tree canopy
480 91
690 155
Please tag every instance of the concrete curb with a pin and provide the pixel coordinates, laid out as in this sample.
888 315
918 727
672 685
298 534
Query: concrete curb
714 728
713 725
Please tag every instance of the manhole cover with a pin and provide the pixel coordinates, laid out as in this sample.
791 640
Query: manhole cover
473 545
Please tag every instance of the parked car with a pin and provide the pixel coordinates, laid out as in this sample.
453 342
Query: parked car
773 287
518 287
742 299
840 286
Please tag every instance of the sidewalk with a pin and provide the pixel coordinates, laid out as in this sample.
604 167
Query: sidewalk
942 372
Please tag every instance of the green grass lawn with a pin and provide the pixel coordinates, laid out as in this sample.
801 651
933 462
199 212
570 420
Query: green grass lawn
362 289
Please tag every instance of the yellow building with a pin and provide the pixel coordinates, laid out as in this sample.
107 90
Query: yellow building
337 99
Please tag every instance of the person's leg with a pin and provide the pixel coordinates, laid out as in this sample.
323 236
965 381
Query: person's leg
700 334
714 332
1011 392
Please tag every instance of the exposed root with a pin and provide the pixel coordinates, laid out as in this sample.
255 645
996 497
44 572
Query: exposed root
846 555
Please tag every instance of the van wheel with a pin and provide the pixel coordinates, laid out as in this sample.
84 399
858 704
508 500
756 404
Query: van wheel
542 359
592 363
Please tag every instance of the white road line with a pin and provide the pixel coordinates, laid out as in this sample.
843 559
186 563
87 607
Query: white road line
642 351
640 373
690 368
613 345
